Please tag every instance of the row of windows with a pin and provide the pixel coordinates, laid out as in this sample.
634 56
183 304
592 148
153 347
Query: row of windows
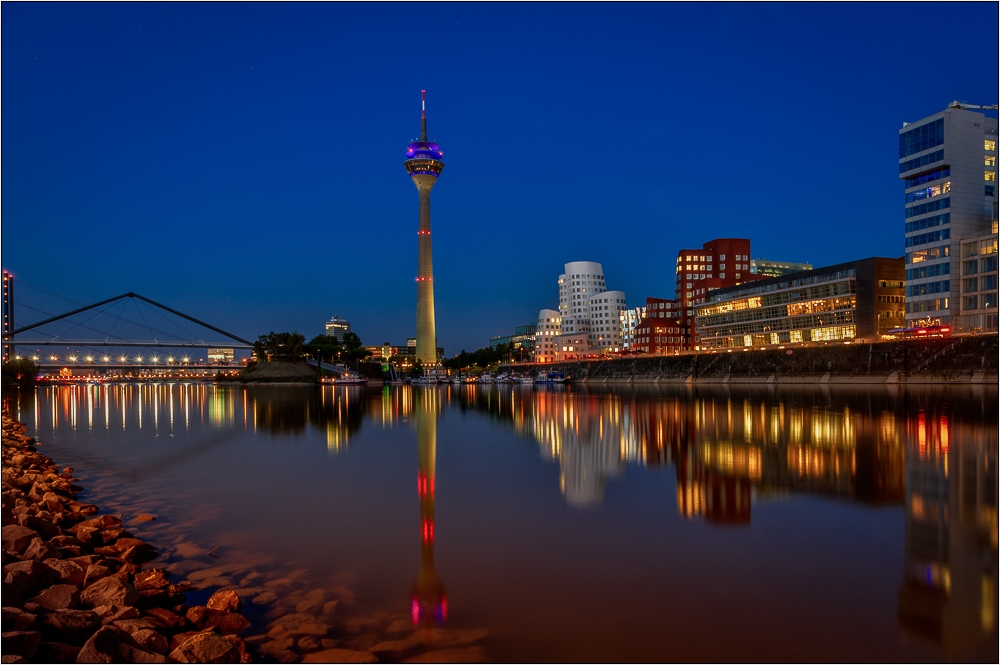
930 287
976 302
890 314
928 192
917 162
981 247
935 270
778 316
934 305
930 206
928 222
931 176
982 265
709 335
922 255
984 283
899 299
891 284
921 138
924 238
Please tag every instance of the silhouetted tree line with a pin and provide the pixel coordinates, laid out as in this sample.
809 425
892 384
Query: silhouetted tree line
481 358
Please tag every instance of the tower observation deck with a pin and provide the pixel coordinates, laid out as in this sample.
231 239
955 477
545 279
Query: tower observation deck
423 163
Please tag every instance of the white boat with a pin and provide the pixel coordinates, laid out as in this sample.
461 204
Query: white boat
524 378
425 380
485 378
349 379
456 379
551 377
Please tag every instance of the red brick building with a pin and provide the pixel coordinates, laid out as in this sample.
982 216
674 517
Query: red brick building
661 331
719 263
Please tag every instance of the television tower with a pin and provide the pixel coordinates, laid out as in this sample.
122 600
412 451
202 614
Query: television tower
423 163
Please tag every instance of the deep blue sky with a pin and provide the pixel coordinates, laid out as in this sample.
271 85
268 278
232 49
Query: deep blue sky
243 162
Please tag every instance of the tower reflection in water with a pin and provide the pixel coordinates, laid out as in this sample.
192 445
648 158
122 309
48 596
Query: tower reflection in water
428 599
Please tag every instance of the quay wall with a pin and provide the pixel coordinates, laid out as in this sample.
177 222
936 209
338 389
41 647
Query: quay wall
967 359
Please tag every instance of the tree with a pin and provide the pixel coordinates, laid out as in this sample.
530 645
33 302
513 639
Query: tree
351 340
285 346
324 347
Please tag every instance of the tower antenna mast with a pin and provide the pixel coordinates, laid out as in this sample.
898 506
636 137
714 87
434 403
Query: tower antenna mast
423 116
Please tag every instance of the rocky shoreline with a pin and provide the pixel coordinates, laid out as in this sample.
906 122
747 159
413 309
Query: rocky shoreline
79 587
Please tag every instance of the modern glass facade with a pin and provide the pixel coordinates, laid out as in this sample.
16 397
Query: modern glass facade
858 299
947 163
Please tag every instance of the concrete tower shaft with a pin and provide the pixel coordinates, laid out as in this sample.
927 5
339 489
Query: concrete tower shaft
423 163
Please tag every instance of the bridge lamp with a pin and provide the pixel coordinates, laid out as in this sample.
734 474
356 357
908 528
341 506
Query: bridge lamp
186 359
72 359
155 359
53 358
170 359
90 359
106 358
35 358
123 359
17 357
138 359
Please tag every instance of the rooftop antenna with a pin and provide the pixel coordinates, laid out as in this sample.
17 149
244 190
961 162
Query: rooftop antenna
423 116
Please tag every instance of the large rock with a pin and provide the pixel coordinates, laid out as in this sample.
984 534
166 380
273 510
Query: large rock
38 550
150 640
206 648
225 601
15 619
166 617
69 572
58 597
154 579
28 576
109 591
70 626
20 643
16 538
56 652
114 645
340 656
227 622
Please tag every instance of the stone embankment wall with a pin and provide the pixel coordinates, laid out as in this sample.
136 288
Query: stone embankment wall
970 359
74 586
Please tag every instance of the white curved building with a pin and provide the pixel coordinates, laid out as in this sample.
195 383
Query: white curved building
589 316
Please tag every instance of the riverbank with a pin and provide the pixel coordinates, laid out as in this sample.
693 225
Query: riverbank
264 609
75 588
970 360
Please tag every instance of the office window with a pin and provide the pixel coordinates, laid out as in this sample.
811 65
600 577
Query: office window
925 238
968 268
722 275
930 206
970 302
931 271
928 222
990 145
928 192
988 265
925 178
988 283
989 300
921 138
917 162
990 176
722 257
970 285
990 160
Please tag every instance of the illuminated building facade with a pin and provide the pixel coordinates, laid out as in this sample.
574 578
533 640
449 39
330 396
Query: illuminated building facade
336 327
947 162
8 311
586 307
860 299
768 268
978 306
629 320
423 163
662 330
719 263
547 330
523 337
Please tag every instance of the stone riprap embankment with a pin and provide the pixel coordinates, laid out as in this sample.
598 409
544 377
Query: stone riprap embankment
78 587
971 359
75 588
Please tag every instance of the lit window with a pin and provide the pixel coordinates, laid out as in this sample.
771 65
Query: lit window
990 176
990 160
990 145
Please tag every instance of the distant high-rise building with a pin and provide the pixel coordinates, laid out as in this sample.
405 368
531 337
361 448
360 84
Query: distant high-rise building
978 306
586 307
768 268
947 162
423 163
336 327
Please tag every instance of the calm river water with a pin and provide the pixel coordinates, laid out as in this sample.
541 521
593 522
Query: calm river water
645 524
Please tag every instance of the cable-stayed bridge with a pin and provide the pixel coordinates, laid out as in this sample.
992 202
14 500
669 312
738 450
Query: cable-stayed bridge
124 333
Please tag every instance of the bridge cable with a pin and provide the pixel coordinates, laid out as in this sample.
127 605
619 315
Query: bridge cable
41 311
185 330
